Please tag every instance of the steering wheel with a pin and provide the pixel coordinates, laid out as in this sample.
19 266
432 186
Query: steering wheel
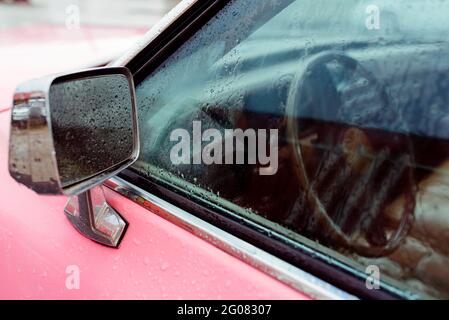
352 156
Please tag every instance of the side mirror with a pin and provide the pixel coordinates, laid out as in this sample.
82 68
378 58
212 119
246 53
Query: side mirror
72 132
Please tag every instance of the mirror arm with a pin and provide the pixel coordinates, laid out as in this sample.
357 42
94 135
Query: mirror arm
95 219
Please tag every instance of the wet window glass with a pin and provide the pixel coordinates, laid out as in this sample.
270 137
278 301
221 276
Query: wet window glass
326 121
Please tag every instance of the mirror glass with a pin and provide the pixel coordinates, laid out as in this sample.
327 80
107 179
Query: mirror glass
92 125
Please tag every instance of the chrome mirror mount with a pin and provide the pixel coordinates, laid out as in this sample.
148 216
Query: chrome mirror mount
93 217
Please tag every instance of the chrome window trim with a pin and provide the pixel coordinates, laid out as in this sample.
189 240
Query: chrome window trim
261 260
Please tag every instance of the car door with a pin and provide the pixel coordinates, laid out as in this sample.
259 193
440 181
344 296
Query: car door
359 157
295 225
44 257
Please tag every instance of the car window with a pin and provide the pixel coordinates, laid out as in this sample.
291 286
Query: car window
326 121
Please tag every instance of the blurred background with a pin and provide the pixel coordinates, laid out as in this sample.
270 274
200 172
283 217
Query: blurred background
126 13
38 37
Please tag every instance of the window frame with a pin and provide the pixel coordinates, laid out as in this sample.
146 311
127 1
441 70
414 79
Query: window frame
327 268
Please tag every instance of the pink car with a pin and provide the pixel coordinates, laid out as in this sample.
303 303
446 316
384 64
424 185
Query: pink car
242 149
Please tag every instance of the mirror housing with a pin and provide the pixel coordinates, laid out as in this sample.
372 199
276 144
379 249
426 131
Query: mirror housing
71 132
